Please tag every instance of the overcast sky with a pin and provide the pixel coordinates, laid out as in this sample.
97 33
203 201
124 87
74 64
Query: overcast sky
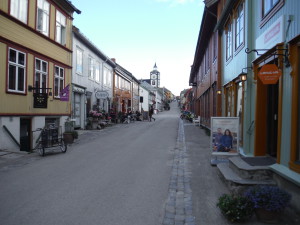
138 33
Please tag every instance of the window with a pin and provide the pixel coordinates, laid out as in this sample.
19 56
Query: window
109 75
16 71
268 5
59 79
229 101
105 74
41 74
79 57
239 108
60 28
42 18
97 72
18 9
229 41
239 26
207 60
215 50
91 73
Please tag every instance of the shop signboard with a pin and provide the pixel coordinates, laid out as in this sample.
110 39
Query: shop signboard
40 100
224 135
269 74
101 94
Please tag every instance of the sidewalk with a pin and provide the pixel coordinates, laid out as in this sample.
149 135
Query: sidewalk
206 184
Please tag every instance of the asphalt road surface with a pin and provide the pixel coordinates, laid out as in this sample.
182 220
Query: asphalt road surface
119 175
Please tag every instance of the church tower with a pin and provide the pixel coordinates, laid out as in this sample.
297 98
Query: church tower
155 77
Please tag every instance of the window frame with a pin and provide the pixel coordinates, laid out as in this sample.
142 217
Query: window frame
47 16
18 67
60 28
91 68
79 68
241 31
229 47
266 17
18 16
41 74
57 76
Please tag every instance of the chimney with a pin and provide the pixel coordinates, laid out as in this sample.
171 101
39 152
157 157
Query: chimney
113 59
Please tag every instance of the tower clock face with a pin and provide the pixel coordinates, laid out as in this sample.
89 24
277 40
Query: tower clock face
153 76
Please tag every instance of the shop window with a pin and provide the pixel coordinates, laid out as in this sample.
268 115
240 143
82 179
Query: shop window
239 26
16 71
19 9
229 101
239 108
59 79
42 18
41 74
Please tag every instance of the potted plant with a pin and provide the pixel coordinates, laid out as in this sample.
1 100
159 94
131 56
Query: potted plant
268 201
68 137
235 208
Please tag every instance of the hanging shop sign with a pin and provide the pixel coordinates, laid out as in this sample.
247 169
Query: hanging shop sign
269 74
101 94
40 100
64 94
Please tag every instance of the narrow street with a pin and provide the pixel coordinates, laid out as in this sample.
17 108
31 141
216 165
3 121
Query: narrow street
119 175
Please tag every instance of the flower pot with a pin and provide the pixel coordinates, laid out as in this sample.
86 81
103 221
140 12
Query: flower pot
266 216
94 124
68 138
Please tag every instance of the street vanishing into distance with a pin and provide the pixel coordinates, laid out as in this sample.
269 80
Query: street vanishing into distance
118 175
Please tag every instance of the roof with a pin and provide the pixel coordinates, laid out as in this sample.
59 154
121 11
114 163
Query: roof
91 46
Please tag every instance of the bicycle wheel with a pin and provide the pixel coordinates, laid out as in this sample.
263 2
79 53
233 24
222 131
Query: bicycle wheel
63 146
41 150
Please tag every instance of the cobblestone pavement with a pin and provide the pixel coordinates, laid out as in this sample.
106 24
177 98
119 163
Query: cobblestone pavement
179 205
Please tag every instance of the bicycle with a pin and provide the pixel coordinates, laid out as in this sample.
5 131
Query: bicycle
50 138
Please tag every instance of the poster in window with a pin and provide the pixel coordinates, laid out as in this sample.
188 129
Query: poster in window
224 135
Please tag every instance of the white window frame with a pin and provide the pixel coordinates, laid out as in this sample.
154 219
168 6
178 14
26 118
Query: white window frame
91 70
97 71
18 69
60 76
61 22
79 61
19 9
40 73
239 26
105 74
42 18
229 41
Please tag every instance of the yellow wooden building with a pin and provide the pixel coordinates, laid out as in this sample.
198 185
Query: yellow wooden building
35 66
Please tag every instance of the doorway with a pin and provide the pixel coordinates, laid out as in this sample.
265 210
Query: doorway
272 119
25 134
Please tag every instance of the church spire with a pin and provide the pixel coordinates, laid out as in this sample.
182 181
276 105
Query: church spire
155 67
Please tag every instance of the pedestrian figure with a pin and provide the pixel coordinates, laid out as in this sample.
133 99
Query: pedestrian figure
151 113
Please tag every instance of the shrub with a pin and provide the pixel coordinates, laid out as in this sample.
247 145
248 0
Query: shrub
271 198
235 208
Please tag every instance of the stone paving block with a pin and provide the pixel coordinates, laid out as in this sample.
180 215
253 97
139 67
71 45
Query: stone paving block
167 221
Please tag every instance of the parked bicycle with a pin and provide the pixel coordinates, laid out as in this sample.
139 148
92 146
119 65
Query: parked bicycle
50 137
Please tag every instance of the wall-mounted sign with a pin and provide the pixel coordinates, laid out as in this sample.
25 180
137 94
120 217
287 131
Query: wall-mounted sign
269 74
272 36
40 100
101 94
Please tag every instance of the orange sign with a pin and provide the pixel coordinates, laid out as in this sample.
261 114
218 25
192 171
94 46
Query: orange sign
269 74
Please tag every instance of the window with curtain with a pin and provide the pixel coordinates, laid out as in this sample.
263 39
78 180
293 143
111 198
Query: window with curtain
59 79
19 9
42 18
60 28
41 74
97 72
16 71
